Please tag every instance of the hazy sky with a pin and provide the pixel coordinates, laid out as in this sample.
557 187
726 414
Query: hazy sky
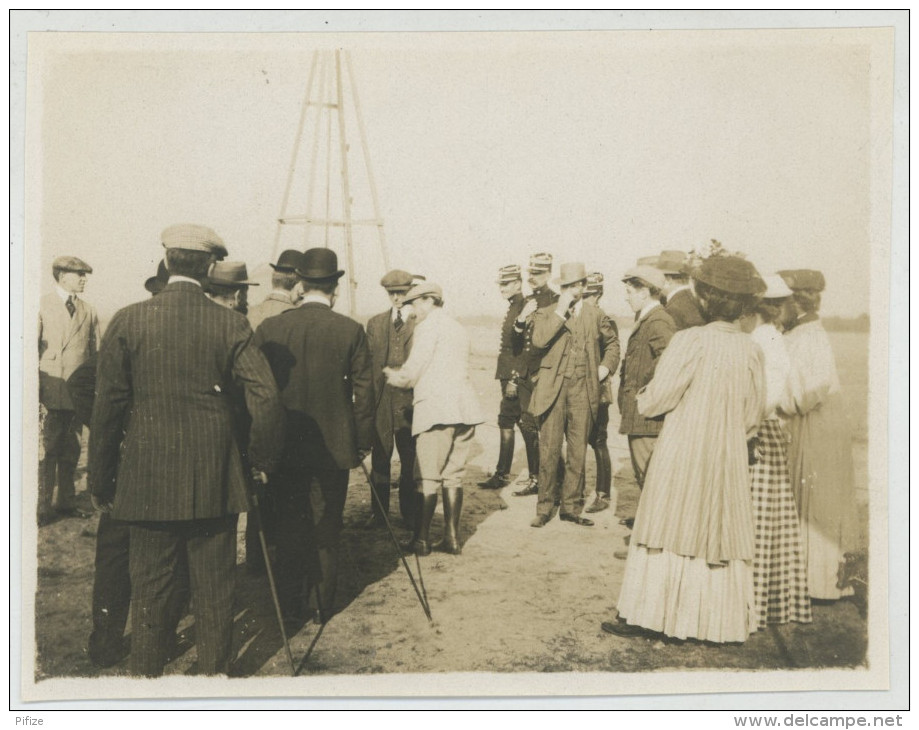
596 146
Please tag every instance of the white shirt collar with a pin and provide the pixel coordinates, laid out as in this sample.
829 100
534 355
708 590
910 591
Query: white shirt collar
647 308
173 278
317 298
281 294
64 295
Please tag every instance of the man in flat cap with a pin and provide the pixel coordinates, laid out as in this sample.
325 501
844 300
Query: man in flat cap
593 291
285 289
389 335
163 455
679 301
445 417
321 362
541 295
68 334
649 337
581 349
510 364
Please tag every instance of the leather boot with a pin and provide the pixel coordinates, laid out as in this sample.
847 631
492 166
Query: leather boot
604 470
420 543
382 488
453 508
531 442
501 477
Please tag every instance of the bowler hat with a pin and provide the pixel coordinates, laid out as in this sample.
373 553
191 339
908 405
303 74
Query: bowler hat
424 289
71 263
730 274
571 273
156 284
396 280
193 237
775 287
230 274
319 264
650 276
803 279
287 261
673 262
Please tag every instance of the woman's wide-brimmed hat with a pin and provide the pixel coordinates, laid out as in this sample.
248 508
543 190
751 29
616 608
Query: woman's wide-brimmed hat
730 274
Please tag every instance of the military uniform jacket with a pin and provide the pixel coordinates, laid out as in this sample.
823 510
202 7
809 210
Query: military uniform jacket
647 341
162 440
553 334
685 310
64 343
380 331
532 356
510 354
321 362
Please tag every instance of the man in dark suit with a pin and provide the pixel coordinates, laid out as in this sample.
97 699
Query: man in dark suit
321 363
679 301
163 454
581 349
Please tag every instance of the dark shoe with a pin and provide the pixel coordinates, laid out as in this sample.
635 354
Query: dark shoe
576 519
419 547
453 508
628 522
599 504
73 512
540 521
619 627
530 489
498 480
107 656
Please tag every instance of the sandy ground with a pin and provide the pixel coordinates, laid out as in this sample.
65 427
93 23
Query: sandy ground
517 599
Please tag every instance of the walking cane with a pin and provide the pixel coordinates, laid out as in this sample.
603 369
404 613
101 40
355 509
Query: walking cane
274 591
422 599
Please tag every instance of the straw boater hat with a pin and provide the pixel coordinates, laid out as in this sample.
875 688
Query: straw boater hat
71 263
424 289
192 237
571 273
397 280
230 274
319 264
509 273
809 279
730 274
650 276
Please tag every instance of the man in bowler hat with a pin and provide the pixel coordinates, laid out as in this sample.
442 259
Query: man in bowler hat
321 363
285 289
389 335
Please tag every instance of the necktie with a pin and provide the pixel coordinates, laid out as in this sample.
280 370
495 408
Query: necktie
71 307
399 321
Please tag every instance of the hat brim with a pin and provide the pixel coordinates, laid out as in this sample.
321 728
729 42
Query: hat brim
284 269
232 284
753 287
568 282
154 285
397 289
320 276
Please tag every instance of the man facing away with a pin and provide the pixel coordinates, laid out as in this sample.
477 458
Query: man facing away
445 416
321 363
679 301
284 293
581 349
68 335
163 455
510 365
389 335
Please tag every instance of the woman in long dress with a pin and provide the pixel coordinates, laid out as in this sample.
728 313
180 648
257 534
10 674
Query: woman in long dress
689 570
820 454
779 576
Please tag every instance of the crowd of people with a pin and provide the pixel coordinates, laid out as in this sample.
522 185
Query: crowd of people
201 408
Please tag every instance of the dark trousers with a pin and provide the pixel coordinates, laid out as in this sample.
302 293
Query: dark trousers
380 460
156 555
568 419
61 445
310 505
112 588
598 442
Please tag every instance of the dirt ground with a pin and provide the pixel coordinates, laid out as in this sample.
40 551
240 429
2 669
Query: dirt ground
517 599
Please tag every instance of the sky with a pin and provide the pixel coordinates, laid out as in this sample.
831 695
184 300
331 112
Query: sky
598 147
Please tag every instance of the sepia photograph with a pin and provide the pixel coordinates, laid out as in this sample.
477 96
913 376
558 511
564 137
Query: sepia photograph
411 356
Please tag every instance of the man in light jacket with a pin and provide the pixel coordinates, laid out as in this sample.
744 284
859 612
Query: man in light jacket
446 412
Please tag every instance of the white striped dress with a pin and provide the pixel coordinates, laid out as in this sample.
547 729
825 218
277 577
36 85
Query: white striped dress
689 571
779 574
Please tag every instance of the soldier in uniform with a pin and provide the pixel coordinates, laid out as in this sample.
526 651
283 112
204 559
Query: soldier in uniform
510 355
538 273
389 335
679 301
598 433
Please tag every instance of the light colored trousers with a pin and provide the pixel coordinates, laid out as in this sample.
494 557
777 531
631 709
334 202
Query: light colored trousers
441 454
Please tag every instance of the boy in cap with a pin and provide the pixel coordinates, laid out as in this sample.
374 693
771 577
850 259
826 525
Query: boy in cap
284 292
163 454
598 433
581 349
510 365
647 341
679 301
68 333
389 335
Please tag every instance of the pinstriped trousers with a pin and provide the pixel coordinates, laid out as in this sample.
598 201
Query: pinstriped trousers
155 557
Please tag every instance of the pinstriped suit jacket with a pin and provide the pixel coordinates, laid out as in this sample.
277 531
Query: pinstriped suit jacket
162 440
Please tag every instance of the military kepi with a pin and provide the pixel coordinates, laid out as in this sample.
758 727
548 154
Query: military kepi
507 274
540 263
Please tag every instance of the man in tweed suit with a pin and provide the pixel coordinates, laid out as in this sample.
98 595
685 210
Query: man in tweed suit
321 363
68 332
163 454
285 291
581 349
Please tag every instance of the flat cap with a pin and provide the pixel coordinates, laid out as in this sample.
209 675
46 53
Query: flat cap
424 289
397 280
72 263
193 237
540 263
803 279
230 273
509 273
730 274
649 275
